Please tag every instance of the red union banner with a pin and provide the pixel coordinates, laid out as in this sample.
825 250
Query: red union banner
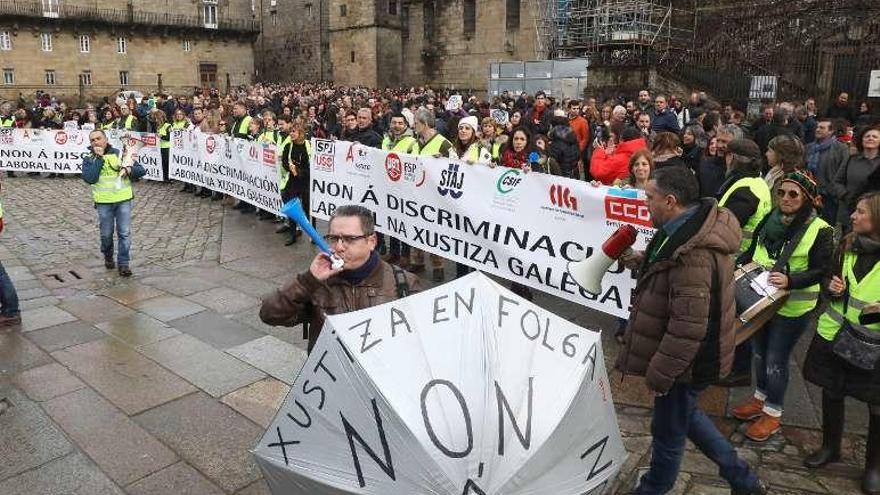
525 227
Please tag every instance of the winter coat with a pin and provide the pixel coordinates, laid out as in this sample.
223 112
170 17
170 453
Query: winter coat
607 168
665 121
711 173
564 148
366 137
852 180
308 300
543 124
682 326
828 163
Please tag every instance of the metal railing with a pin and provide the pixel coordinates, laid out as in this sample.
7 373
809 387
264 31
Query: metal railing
34 8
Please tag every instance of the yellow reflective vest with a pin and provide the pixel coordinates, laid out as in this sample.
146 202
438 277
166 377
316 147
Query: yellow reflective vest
111 187
164 138
800 301
759 188
406 144
861 293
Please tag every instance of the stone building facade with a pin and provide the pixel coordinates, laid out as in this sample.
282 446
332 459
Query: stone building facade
443 43
93 48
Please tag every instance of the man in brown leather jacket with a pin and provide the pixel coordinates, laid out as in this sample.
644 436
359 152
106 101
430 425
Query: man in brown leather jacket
681 329
364 281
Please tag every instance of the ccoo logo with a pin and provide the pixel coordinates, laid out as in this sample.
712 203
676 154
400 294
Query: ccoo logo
561 197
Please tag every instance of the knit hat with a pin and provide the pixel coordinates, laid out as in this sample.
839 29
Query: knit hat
745 148
806 183
471 121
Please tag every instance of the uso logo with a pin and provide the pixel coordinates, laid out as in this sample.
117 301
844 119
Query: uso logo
210 144
324 155
626 206
60 137
149 139
393 167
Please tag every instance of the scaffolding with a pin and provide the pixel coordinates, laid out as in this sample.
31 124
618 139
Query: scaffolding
619 28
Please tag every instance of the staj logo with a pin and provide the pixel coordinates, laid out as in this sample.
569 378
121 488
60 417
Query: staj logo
451 182
561 197
626 206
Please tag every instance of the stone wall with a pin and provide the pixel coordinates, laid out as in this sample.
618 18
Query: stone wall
294 44
146 56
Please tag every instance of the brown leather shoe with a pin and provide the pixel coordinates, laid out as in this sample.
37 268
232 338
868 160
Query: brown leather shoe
751 409
763 428
124 271
7 321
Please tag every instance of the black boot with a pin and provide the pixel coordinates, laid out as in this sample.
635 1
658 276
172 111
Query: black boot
832 432
871 480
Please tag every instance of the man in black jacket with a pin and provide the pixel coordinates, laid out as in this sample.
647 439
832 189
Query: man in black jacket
364 133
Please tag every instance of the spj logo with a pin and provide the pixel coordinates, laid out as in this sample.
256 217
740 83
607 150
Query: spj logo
324 155
393 167
451 182
561 197
508 181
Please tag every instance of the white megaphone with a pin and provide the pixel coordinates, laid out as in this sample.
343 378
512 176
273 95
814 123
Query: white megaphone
589 272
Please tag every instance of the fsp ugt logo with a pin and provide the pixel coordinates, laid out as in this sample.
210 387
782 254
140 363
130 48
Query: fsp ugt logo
451 182
561 197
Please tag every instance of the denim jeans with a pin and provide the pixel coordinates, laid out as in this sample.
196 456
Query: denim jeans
116 216
676 418
8 296
772 348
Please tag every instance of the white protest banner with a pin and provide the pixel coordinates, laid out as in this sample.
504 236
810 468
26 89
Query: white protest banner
522 227
244 169
62 151
465 389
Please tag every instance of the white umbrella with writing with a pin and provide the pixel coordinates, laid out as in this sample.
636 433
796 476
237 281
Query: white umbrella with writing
462 389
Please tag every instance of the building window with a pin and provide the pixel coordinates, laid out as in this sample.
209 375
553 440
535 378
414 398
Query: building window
85 44
187 45
273 15
123 78
308 11
5 40
343 10
470 17
50 8
121 46
50 78
273 3
392 7
46 42
428 25
210 13
352 57
512 20
8 76
85 79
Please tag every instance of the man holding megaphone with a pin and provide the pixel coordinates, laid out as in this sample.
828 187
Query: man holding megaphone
349 278
681 329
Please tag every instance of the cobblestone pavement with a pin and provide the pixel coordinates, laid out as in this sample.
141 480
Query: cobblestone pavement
159 384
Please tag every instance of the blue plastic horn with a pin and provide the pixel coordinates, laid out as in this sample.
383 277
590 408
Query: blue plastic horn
293 210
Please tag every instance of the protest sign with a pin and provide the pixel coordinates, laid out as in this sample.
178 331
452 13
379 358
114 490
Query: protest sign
246 170
522 227
463 389
62 151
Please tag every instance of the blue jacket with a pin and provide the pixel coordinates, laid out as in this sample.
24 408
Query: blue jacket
92 165
665 121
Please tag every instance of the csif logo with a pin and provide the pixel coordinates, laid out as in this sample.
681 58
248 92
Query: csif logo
451 181
562 197
508 181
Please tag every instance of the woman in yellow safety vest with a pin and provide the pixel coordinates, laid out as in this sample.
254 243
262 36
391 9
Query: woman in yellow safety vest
795 246
492 138
467 144
844 357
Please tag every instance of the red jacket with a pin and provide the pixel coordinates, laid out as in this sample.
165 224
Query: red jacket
607 168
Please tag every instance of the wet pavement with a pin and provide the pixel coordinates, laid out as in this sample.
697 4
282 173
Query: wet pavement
161 383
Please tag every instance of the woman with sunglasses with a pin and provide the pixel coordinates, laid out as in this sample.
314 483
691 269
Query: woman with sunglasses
795 246
855 296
